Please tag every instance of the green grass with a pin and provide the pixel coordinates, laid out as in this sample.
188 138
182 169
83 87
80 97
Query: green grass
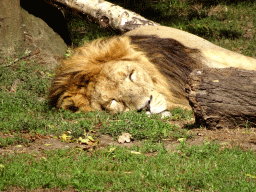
204 168
141 126
147 167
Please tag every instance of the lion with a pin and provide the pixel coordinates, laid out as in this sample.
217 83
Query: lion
144 69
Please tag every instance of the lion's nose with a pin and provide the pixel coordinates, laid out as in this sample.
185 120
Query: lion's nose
147 104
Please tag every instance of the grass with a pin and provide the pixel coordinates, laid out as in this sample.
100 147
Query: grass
119 169
140 126
149 166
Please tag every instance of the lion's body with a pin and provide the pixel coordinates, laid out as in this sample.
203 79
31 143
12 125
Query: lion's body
143 69
212 55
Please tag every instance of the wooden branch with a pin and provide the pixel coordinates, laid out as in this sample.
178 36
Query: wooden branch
106 14
223 97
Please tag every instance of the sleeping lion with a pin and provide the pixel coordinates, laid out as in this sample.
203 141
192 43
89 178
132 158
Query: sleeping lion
145 69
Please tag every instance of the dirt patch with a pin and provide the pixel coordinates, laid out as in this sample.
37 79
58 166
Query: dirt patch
245 139
228 138
43 143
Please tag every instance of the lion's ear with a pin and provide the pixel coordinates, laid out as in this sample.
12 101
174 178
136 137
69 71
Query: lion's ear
74 103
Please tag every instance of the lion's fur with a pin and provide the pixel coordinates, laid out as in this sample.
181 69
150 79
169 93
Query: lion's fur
166 61
75 73
211 55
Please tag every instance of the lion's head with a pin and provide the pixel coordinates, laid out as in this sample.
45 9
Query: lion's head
113 75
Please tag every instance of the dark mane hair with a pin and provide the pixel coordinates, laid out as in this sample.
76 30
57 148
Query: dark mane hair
174 60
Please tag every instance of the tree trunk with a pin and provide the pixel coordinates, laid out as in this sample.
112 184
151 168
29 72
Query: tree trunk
10 26
223 97
106 14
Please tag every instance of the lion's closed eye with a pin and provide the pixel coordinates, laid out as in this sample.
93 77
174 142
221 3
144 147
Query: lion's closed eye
132 75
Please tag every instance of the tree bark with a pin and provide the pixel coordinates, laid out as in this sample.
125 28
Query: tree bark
106 14
223 97
10 26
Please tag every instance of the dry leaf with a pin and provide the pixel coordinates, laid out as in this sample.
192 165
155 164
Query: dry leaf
125 137
64 137
90 138
135 152
88 141
112 149
251 176
2 166
182 140
83 141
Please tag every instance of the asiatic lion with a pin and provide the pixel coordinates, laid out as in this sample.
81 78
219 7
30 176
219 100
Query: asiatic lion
144 69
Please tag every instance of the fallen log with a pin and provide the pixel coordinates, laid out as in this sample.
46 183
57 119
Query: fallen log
105 13
223 98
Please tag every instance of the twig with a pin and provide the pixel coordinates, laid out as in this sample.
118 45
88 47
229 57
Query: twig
29 54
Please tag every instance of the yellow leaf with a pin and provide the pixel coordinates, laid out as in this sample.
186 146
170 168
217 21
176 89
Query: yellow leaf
51 126
2 166
135 152
84 141
47 144
112 149
19 145
49 74
251 176
181 140
90 138
64 137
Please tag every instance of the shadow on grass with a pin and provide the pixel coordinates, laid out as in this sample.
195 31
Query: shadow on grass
207 32
225 2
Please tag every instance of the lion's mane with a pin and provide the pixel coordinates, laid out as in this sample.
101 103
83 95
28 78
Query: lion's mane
166 60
